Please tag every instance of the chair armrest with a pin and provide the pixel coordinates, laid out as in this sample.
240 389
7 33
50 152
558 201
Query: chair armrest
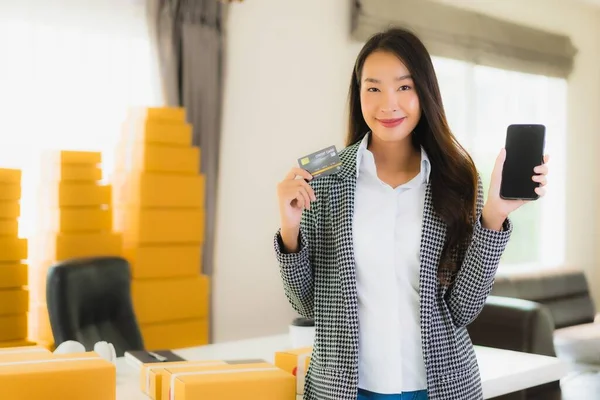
514 324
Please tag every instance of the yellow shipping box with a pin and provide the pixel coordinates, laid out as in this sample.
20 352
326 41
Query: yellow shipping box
159 226
60 377
10 209
62 157
14 301
62 246
13 327
256 381
175 334
13 249
13 275
11 356
78 219
148 131
76 194
151 377
170 299
72 172
7 345
141 157
9 227
168 114
153 189
164 261
10 175
295 361
33 349
10 191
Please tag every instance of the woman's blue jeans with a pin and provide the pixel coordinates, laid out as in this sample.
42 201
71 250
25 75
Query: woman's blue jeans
418 395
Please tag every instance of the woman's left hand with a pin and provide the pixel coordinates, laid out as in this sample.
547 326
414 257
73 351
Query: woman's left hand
497 209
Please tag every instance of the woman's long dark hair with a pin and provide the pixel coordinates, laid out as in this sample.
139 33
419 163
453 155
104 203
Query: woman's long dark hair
453 175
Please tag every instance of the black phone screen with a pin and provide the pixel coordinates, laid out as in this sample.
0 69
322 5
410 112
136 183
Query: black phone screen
524 151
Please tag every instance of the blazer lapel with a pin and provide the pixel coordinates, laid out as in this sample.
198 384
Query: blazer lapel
429 255
342 207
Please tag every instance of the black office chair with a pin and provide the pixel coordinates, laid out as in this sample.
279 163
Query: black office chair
89 300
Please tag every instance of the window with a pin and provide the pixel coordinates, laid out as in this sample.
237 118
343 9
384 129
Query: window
480 103
69 73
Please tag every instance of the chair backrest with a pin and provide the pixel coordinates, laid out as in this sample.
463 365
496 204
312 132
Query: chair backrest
563 291
89 300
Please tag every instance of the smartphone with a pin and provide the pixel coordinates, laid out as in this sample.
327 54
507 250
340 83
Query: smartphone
524 151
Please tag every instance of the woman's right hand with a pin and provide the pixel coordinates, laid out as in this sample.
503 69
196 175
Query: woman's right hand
294 194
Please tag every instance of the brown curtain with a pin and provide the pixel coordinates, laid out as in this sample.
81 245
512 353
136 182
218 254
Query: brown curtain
189 38
452 32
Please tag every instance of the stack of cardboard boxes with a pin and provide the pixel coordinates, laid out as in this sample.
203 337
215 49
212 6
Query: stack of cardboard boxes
14 301
232 379
35 373
75 220
159 209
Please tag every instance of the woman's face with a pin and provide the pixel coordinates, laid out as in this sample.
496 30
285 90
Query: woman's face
390 105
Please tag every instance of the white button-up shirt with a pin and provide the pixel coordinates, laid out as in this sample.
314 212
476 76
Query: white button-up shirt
387 235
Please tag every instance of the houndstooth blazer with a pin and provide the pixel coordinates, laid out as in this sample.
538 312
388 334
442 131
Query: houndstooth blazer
320 283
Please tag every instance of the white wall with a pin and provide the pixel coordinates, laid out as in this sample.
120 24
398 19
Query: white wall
289 65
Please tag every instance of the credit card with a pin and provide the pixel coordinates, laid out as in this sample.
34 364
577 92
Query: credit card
321 163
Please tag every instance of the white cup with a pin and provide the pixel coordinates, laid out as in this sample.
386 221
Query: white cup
302 333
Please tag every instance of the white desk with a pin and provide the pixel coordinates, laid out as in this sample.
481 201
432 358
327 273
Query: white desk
502 371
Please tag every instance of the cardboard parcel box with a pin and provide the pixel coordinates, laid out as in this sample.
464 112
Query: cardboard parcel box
13 275
252 381
295 362
77 219
56 172
152 375
10 344
175 334
12 249
13 327
159 225
165 132
57 377
162 114
142 157
10 209
19 350
170 299
153 189
163 261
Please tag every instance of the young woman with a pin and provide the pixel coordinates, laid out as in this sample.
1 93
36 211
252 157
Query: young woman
394 255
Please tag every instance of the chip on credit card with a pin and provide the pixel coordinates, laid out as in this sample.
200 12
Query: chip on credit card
321 163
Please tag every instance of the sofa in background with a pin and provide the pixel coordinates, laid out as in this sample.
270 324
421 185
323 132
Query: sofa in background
548 312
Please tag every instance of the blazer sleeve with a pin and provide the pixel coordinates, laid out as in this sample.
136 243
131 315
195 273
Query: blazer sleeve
296 268
474 280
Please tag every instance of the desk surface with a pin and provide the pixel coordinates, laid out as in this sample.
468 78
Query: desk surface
502 371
